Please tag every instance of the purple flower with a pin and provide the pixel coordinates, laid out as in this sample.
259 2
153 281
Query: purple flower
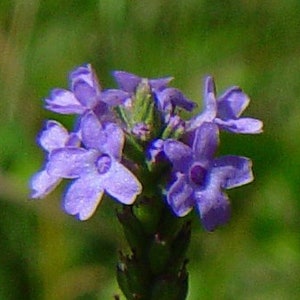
167 98
225 110
85 94
54 136
200 178
96 168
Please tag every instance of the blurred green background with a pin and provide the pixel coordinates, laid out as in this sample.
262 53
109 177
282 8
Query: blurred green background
46 254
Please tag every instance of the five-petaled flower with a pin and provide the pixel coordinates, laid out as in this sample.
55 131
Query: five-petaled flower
85 94
200 178
95 166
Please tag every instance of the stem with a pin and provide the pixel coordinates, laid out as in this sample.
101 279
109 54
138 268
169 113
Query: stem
156 267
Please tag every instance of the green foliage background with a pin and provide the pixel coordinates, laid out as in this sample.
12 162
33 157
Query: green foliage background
46 254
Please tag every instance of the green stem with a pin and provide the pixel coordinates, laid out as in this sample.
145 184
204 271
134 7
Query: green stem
156 267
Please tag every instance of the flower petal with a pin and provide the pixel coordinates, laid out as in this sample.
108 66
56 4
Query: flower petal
127 81
114 140
214 208
42 184
210 106
242 125
179 154
176 98
83 196
86 94
53 136
159 84
91 131
108 139
114 97
64 102
232 171
86 74
206 141
121 184
232 103
179 196
71 162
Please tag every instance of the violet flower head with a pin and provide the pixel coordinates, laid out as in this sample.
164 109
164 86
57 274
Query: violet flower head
200 178
53 136
96 168
225 110
85 94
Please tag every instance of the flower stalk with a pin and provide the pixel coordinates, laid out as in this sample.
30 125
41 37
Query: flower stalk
156 265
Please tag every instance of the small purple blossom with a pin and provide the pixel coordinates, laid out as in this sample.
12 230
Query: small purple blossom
96 168
200 178
225 110
85 94
54 136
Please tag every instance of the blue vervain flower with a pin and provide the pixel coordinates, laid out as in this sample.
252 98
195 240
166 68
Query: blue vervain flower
96 167
200 178
85 94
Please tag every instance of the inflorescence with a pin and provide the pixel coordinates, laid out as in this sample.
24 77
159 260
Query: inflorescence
122 134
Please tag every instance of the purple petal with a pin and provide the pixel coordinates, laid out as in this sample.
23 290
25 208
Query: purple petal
86 94
53 136
176 98
71 162
83 196
42 184
104 112
232 103
179 196
74 139
155 151
179 154
160 83
64 102
91 131
232 171
114 97
121 184
86 74
114 140
108 139
242 125
210 101
214 208
206 141
127 81
210 106
209 86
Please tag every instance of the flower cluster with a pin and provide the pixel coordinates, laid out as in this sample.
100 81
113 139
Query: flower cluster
123 133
